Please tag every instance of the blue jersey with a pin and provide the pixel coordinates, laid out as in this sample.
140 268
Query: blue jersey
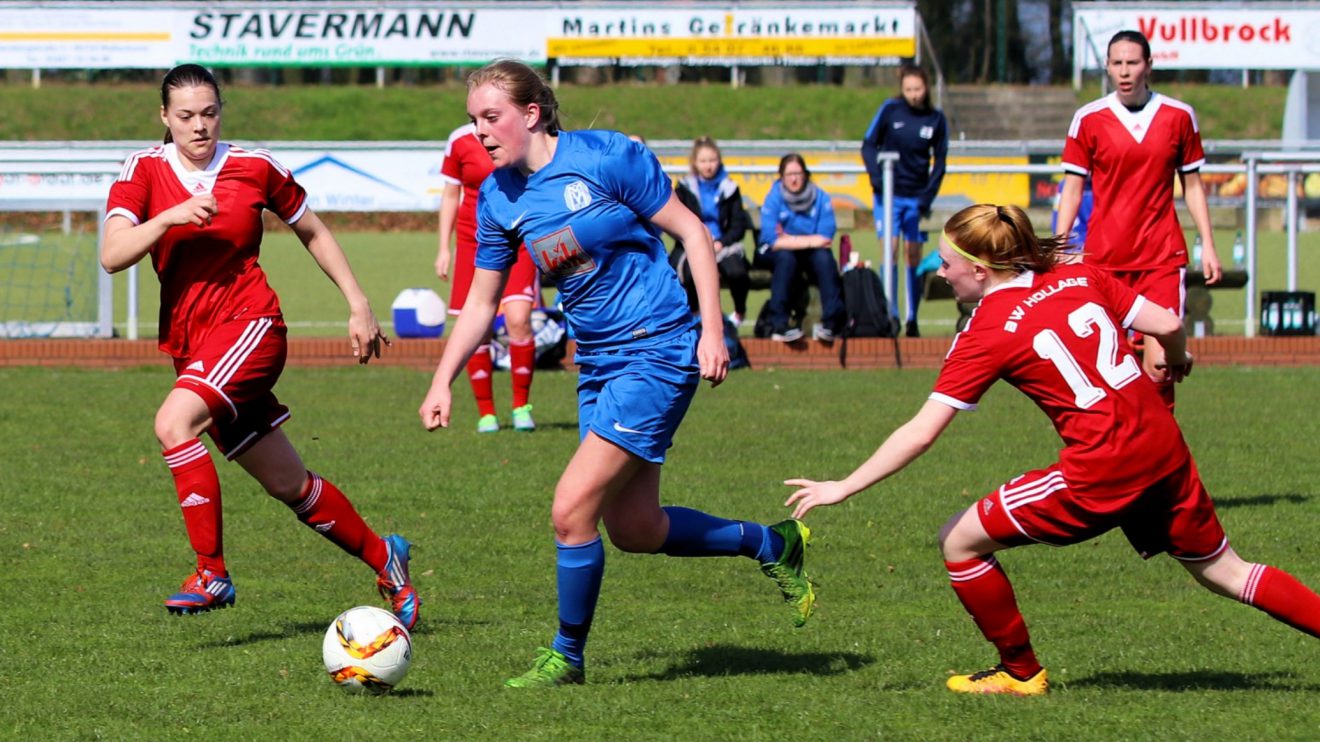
584 220
921 139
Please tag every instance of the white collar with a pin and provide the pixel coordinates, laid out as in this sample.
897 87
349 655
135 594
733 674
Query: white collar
197 181
1136 122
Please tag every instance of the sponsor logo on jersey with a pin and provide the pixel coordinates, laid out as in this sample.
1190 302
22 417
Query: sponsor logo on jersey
926 132
576 196
560 254
193 500
196 366
898 124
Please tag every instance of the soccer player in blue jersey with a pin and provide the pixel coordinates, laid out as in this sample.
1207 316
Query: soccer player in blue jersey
909 125
586 205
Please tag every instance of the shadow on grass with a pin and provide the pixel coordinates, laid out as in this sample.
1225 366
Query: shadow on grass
1195 680
412 693
730 661
1292 498
289 631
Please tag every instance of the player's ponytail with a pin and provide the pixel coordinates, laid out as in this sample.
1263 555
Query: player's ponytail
186 76
1002 238
523 85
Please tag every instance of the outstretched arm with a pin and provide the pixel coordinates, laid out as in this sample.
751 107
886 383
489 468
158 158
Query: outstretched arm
683 225
902 447
470 329
363 330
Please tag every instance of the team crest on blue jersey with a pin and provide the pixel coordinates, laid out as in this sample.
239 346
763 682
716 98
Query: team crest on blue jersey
560 254
927 132
576 196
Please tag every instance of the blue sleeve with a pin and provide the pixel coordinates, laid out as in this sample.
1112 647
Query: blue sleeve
940 152
635 177
770 209
497 248
825 222
872 141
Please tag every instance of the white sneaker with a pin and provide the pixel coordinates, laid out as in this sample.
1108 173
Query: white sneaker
735 318
822 334
790 335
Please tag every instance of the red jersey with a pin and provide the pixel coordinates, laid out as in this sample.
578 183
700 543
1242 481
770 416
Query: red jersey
467 164
1131 159
208 275
1056 337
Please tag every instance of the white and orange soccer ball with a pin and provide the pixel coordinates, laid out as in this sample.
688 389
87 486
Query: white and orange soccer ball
367 649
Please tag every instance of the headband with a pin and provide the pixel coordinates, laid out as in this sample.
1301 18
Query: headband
979 261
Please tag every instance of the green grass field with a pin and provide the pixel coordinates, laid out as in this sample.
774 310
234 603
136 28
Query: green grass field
388 263
91 542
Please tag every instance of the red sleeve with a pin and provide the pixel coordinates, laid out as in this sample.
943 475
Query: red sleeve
450 168
968 372
283 194
1077 148
130 192
1193 154
1119 298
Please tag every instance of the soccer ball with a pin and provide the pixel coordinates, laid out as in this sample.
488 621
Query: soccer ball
367 649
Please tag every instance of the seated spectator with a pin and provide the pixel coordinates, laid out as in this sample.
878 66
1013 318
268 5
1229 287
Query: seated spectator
797 231
710 194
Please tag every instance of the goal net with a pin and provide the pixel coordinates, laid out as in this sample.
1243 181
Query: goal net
51 282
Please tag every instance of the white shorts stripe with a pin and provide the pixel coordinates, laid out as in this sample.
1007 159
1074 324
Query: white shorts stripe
1032 491
238 353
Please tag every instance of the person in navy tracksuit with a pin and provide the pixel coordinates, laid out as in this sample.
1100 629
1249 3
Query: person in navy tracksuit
909 125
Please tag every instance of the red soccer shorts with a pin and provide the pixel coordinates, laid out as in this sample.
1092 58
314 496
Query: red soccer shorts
1174 514
233 370
521 286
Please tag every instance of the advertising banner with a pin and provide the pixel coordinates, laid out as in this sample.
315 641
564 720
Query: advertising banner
1203 35
243 34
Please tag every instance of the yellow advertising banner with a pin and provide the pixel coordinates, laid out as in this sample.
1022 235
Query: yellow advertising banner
644 47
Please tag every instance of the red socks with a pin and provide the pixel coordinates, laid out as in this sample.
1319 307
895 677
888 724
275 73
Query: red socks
329 513
1280 594
479 369
987 595
522 362
198 487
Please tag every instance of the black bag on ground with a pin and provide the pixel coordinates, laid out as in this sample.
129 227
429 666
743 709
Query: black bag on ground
864 302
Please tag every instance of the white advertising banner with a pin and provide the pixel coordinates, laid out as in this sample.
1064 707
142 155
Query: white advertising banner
338 176
1204 35
250 34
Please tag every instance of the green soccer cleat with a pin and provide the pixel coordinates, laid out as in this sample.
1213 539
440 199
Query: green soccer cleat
488 424
551 669
787 570
522 419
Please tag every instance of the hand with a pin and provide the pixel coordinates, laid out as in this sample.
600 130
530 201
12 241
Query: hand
713 356
811 493
924 211
1176 372
197 211
442 263
1210 265
365 334
436 407
718 245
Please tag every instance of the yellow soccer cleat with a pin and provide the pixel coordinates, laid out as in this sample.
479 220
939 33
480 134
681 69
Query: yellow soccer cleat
998 681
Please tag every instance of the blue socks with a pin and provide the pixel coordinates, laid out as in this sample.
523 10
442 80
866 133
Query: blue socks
580 570
693 533
913 292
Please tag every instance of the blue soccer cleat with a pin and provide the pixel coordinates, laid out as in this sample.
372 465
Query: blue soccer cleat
201 592
394 584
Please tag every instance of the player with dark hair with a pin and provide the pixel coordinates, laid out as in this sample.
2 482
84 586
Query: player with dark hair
1131 143
465 168
909 125
1052 331
194 204
584 203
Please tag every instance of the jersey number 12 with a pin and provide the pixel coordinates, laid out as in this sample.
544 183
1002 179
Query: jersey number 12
1085 321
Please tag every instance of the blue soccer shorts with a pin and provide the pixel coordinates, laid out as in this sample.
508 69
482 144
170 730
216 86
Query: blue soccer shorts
906 218
635 397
